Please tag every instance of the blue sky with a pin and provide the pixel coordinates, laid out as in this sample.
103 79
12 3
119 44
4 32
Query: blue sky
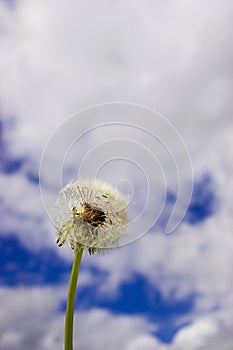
159 291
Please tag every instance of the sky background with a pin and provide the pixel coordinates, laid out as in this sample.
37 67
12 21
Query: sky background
162 291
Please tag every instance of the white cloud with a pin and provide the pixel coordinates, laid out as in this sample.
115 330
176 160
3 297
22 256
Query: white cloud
86 54
207 332
22 212
30 317
25 314
197 335
144 342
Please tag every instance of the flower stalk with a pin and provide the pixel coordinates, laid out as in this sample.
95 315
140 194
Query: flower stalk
68 341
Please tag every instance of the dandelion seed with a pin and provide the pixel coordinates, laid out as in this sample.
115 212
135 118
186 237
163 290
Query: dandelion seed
91 214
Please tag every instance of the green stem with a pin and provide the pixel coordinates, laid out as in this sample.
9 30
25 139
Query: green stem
68 342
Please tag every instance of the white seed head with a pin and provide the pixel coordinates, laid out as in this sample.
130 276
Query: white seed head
90 214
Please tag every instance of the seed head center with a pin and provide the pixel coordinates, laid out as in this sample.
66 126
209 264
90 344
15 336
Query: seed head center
94 216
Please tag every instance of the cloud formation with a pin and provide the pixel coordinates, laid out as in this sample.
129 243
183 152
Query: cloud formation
172 56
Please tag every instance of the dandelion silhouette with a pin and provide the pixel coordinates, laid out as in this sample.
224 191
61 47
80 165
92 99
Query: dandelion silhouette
91 215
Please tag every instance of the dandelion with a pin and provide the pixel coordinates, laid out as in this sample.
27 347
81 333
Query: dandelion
91 215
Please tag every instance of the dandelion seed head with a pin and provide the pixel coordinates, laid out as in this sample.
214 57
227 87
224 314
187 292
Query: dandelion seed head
90 214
